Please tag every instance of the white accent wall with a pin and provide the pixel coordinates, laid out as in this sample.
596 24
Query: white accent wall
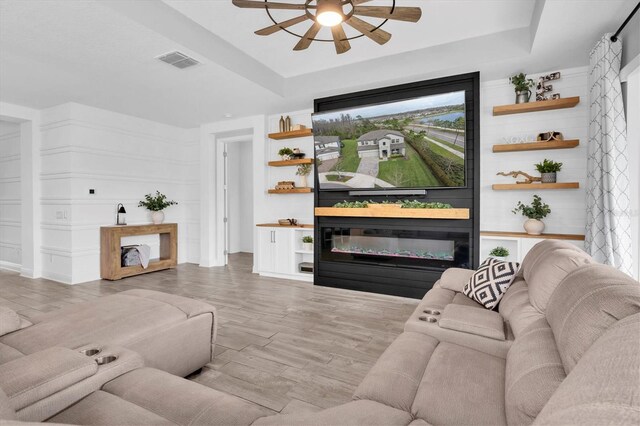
568 215
240 198
121 158
10 199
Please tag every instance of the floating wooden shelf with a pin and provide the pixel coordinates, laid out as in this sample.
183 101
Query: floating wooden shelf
292 134
291 191
536 106
285 163
535 186
574 237
277 225
395 213
536 146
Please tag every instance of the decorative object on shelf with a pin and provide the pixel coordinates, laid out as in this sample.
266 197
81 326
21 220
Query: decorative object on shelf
156 204
121 215
285 153
286 184
332 14
522 86
518 139
307 243
515 174
500 253
288 222
303 171
287 124
542 87
296 127
549 136
297 153
281 125
536 211
548 170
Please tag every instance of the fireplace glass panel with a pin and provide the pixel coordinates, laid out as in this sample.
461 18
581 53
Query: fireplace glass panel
422 249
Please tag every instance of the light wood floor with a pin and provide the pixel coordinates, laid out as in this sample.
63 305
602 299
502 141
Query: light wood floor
285 345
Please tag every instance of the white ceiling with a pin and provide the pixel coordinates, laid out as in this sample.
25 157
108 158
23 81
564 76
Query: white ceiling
101 52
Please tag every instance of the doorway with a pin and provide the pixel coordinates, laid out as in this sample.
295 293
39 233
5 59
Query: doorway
238 204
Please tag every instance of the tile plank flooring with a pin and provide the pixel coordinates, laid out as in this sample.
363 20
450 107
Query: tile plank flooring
287 346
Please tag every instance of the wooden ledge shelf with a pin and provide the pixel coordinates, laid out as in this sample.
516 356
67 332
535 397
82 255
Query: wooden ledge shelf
292 134
535 186
291 191
573 237
286 163
536 106
460 214
277 225
536 146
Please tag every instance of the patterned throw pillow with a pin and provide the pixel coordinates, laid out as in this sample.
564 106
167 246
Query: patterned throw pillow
489 283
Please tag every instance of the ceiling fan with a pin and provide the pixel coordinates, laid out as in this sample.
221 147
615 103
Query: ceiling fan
333 13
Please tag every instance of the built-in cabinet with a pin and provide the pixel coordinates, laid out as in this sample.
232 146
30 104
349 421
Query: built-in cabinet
280 251
519 244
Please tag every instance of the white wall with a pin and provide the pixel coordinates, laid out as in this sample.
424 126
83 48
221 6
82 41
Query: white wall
240 196
10 198
122 158
568 215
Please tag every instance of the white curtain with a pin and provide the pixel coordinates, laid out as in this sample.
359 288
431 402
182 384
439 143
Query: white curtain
608 233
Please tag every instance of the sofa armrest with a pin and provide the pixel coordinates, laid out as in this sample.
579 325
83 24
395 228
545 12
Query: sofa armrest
36 376
455 278
478 321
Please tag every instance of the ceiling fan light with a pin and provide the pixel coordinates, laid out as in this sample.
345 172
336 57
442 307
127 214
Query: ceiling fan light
329 18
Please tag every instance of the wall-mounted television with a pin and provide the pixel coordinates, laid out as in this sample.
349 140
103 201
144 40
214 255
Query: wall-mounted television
414 143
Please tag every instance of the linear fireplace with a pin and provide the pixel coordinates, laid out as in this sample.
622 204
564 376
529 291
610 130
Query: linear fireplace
395 247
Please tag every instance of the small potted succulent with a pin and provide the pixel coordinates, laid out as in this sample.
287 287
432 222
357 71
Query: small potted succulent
500 253
536 211
307 243
522 86
303 171
285 153
548 169
156 204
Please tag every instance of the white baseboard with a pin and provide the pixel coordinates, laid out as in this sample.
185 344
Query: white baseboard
9 266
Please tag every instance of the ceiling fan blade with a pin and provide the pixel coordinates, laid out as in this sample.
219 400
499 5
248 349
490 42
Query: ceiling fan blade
409 14
378 35
284 24
263 5
306 40
340 39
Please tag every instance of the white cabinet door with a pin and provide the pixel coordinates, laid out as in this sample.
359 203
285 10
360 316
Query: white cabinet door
283 252
266 238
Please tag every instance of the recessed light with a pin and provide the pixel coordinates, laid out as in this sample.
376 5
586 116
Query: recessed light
228 115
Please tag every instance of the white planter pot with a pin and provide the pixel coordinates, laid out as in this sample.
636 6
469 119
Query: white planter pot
157 217
501 258
307 246
303 182
534 226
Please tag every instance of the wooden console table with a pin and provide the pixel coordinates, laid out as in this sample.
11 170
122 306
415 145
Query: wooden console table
110 249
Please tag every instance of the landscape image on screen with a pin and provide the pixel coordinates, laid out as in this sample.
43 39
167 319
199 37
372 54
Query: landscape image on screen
415 143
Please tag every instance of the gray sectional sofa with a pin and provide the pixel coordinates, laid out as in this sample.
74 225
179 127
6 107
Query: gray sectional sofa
563 348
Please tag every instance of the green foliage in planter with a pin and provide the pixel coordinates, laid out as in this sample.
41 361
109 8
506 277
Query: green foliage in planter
499 252
406 204
304 170
521 82
307 239
548 166
352 204
285 151
537 209
156 203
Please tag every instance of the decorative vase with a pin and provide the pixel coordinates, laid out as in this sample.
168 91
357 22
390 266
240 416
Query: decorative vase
157 217
534 226
303 181
549 177
523 96
281 124
307 246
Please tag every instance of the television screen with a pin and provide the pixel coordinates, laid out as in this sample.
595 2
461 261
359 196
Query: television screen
413 143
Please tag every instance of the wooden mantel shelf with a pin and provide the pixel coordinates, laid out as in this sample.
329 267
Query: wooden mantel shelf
573 237
394 213
292 134
534 186
536 146
536 106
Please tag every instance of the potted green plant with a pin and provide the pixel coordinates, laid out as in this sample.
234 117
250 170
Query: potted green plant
536 211
303 171
156 204
285 153
307 243
500 253
548 170
522 86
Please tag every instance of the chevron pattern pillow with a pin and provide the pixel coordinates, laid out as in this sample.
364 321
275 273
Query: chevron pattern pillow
489 283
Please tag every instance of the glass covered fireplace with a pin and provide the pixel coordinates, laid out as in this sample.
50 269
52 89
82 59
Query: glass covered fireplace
396 247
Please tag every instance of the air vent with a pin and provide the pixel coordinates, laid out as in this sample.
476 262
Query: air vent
178 60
